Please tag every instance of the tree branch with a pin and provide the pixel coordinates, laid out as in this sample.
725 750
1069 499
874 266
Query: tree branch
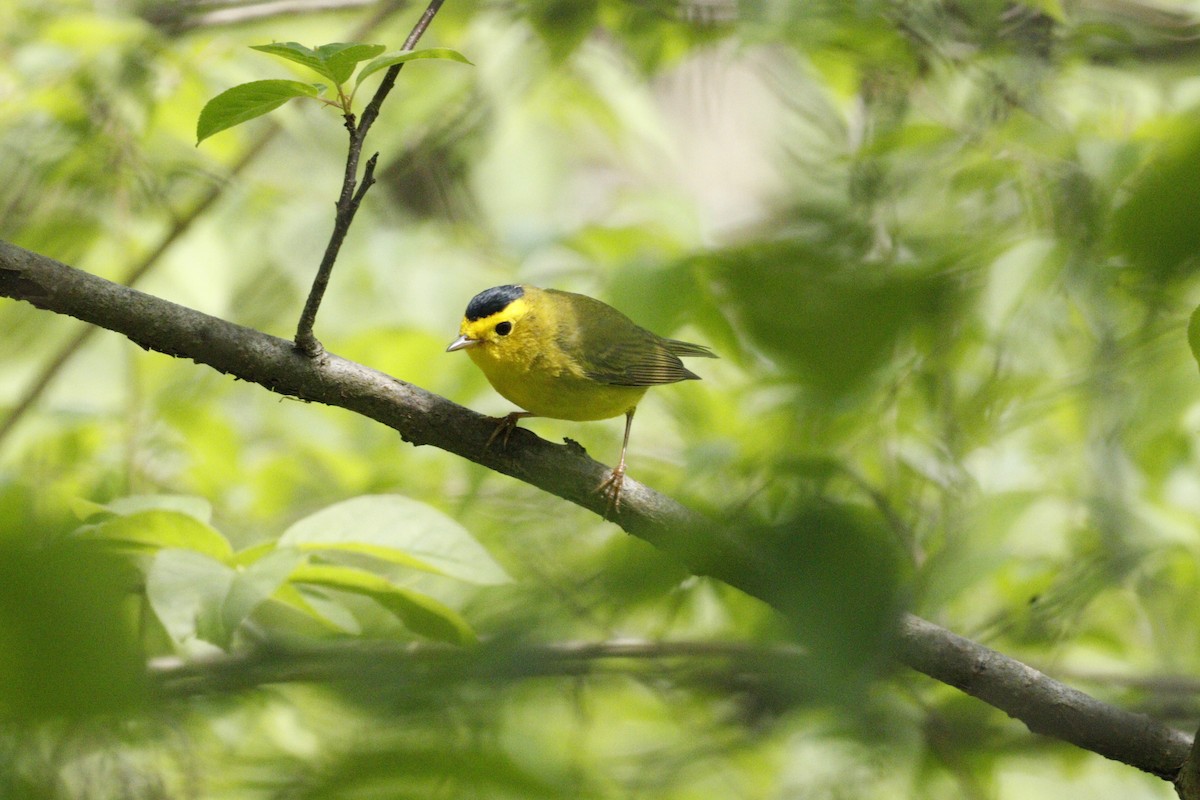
1043 704
1187 781
351 197
734 665
419 416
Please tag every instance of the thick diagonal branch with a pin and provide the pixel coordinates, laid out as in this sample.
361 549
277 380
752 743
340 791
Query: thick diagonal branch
1044 705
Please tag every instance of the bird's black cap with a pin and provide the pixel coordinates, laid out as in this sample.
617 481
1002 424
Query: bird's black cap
489 301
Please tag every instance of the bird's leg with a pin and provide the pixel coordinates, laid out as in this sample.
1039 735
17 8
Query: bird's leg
505 425
612 485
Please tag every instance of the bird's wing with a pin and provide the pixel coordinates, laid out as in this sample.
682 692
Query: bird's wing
635 358
687 349
612 349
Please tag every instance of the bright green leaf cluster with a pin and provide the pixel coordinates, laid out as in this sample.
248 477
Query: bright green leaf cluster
336 62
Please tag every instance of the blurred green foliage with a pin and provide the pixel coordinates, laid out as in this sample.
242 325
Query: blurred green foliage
946 251
69 647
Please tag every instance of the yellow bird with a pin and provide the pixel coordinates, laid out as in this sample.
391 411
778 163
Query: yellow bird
568 356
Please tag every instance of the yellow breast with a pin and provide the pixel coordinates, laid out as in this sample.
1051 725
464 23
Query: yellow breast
548 385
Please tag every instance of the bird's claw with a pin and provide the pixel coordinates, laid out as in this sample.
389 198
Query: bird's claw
610 488
504 425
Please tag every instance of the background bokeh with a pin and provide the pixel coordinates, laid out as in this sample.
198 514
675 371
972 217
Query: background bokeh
946 251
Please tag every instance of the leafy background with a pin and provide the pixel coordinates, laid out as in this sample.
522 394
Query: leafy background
946 251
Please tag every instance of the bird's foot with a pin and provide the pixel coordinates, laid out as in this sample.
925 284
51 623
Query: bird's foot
504 426
610 488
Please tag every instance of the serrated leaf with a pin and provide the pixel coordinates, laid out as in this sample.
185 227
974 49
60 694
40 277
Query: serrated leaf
245 102
420 613
401 56
407 530
156 530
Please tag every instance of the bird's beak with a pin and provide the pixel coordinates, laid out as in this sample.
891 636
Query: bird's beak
462 342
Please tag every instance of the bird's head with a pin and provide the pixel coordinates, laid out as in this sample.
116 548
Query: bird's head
495 320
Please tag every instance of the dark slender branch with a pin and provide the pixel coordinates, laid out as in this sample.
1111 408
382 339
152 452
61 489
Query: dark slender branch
1045 705
371 112
368 178
351 197
1042 703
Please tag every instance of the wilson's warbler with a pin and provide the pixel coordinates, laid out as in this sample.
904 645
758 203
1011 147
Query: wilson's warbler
568 356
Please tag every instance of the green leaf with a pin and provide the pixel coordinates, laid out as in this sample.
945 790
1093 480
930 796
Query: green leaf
245 102
156 530
196 597
187 591
254 584
335 61
420 613
401 56
246 557
318 606
389 554
343 58
401 530
295 52
193 506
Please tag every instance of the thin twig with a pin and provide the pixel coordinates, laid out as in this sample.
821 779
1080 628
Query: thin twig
182 223
352 195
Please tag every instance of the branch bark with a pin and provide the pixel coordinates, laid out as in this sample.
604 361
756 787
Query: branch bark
1043 704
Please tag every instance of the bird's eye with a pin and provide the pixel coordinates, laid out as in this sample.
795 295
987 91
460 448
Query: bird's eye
504 328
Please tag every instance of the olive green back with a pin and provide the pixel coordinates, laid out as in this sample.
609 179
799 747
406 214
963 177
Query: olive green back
613 349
